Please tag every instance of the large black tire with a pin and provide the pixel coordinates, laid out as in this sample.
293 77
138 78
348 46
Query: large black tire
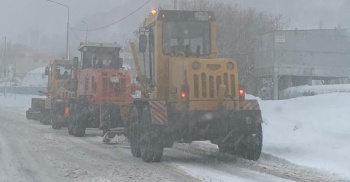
29 115
70 127
151 145
134 133
45 117
226 148
55 124
251 147
71 116
79 132
77 114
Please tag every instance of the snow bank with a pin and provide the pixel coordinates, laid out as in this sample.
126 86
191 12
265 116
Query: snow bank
311 131
35 78
21 102
300 91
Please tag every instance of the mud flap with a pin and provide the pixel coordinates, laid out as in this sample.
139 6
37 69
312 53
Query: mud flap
159 112
249 105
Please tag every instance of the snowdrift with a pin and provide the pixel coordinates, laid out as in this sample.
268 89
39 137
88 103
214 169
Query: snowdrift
35 78
306 90
312 131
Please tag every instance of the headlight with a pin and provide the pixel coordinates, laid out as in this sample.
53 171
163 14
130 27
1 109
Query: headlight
196 65
230 65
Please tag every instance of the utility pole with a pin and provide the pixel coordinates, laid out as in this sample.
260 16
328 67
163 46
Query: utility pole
67 46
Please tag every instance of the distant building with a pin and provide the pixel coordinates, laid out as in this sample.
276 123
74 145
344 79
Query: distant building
290 58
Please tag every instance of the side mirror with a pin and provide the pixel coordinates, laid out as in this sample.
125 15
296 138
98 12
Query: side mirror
143 43
47 70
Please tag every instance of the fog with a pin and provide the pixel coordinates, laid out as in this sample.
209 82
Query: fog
42 24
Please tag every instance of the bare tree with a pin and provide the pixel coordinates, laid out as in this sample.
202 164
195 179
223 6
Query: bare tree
238 30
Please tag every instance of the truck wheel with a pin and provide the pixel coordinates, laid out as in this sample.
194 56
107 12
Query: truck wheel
54 123
78 129
226 148
28 115
71 118
82 114
251 147
75 128
79 132
151 146
70 128
45 117
134 133
76 117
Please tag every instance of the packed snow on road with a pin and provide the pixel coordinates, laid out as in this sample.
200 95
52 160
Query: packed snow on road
303 137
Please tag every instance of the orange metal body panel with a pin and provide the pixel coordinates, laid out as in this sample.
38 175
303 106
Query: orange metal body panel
97 85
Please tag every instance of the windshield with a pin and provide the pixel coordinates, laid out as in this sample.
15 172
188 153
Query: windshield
63 72
189 38
102 57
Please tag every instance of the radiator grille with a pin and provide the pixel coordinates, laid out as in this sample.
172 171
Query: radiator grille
207 86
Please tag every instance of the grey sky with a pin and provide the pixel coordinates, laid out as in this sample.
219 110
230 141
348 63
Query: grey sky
24 16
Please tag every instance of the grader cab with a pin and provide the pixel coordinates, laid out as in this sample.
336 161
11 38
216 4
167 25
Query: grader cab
104 92
190 94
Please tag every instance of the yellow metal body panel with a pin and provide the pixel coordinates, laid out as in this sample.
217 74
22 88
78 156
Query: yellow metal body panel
212 105
172 72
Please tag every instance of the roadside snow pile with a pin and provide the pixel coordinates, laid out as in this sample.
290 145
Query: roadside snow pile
21 102
306 90
35 78
311 131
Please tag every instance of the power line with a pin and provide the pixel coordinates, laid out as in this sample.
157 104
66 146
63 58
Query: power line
94 29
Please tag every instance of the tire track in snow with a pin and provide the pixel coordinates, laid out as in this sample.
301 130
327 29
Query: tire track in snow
267 164
20 157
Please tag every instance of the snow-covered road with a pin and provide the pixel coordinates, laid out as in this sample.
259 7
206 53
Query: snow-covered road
30 151
33 152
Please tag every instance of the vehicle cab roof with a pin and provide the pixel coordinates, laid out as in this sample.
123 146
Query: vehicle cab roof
63 62
96 44
179 15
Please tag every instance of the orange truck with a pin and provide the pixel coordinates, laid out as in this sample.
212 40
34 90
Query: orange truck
103 96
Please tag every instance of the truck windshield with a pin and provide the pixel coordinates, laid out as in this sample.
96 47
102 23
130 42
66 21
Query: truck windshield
63 72
189 38
102 57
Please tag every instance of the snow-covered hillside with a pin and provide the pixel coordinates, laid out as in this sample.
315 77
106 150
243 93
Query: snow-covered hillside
35 78
313 131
